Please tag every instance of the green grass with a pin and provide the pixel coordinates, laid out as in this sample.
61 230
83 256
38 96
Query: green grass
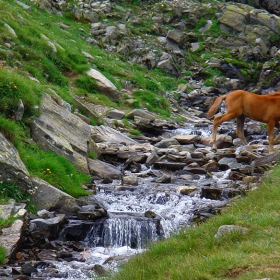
194 253
153 102
10 190
2 254
54 169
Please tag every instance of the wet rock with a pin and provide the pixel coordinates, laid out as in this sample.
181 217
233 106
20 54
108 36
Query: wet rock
163 179
5 272
100 270
211 166
107 180
169 165
150 214
231 193
229 163
212 193
234 175
134 167
103 169
28 269
151 159
130 180
48 227
195 169
91 212
186 190
165 143
187 139
46 255
77 230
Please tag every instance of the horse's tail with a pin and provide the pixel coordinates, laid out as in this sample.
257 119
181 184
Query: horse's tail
214 108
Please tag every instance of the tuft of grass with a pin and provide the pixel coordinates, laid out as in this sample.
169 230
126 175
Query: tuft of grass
194 253
10 190
13 131
153 102
134 132
2 254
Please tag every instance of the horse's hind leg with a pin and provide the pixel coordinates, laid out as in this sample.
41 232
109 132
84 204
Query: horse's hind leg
217 121
240 129
270 129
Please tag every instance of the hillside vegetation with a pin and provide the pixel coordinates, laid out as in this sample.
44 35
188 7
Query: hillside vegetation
43 52
29 66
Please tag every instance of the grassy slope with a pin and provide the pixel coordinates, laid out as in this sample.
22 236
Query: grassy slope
196 254
28 54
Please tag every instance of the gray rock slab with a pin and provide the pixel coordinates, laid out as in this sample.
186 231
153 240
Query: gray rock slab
111 135
48 197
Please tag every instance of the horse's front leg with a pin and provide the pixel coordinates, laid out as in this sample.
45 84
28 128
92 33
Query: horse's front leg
214 133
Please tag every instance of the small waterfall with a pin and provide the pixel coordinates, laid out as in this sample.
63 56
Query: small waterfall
119 231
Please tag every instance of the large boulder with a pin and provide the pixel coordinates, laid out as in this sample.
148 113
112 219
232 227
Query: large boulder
50 198
273 6
11 239
11 167
249 26
104 85
64 133
108 134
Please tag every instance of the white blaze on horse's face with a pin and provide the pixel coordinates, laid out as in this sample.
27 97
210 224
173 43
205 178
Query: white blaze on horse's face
242 104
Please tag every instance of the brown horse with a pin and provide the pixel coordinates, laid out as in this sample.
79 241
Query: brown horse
241 104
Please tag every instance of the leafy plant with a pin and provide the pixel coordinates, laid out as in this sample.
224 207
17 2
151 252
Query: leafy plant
10 190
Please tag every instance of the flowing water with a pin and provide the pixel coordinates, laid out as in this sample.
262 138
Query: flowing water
137 215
